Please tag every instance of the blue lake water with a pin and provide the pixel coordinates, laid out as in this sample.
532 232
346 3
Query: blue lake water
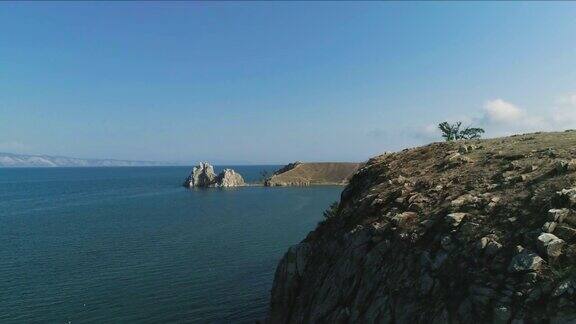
130 245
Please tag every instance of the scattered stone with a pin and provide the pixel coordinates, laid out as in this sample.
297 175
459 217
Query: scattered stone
453 157
549 227
482 243
514 165
463 149
565 232
558 215
551 152
427 223
454 219
466 200
492 248
405 219
456 159
525 261
565 287
550 245
563 166
566 197
468 230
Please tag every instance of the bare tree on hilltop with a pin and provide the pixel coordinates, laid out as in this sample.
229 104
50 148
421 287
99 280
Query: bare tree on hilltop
452 132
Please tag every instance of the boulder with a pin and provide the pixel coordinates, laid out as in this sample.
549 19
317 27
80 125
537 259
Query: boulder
550 245
566 197
549 227
525 261
454 219
565 232
558 215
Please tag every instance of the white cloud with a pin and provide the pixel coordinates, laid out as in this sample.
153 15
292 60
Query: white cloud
500 111
500 117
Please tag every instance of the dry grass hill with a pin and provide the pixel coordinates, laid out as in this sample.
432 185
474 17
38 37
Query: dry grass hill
320 173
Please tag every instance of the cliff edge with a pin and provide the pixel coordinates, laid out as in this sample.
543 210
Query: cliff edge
458 232
318 173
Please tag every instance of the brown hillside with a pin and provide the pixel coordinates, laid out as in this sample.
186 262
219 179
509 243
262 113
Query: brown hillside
321 173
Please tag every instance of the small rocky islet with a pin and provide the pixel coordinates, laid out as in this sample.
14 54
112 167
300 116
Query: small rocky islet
203 176
477 231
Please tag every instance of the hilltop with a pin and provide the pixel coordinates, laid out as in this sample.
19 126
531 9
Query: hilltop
317 173
456 232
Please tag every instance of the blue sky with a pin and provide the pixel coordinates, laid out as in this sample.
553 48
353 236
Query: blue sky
256 82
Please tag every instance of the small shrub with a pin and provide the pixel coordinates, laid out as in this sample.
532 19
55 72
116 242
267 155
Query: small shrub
452 132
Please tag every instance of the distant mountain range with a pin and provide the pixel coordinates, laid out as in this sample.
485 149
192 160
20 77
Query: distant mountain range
20 160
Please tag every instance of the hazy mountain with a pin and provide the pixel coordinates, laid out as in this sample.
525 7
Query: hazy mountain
20 160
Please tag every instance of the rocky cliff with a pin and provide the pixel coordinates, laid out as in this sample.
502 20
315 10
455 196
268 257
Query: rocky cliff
318 173
203 175
479 231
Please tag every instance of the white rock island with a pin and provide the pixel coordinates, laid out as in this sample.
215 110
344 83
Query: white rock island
203 176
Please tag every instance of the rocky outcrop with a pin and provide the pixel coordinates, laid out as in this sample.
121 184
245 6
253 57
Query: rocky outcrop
306 174
203 175
229 178
442 234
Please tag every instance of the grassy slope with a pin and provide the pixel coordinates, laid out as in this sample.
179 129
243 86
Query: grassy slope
317 173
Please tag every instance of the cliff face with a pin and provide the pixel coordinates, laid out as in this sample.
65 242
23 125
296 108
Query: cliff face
319 173
476 231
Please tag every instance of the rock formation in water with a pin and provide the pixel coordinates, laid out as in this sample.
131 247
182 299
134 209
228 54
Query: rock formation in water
480 231
229 178
203 175
305 174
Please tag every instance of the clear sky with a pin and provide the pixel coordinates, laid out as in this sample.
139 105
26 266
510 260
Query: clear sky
256 82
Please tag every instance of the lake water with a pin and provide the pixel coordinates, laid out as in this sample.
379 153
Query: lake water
121 245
